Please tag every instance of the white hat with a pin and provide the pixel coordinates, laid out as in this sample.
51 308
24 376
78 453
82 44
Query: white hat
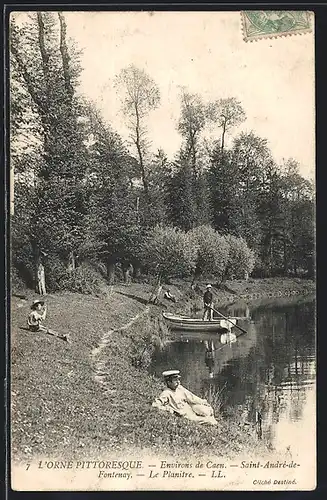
37 301
171 373
208 286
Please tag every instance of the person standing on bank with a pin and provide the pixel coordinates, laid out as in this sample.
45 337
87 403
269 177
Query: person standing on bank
208 304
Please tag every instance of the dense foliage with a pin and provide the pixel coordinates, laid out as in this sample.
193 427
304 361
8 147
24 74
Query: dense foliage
82 197
169 252
212 252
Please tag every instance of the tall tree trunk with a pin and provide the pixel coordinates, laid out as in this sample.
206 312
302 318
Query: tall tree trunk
138 209
65 56
195 277
45 107
285 265
39 271
41 103
111 271
41 278
193 152
140 153
271 255
154 297
143 174
44 53
127 269
223 137
71 262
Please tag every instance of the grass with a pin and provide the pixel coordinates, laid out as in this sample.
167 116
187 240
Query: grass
94 395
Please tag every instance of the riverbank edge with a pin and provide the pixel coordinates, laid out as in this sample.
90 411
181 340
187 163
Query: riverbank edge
252 289
126 389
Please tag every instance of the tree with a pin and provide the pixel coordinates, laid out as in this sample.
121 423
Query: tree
241 258
182 208
113 226
223 179
226 113
297 206
47 70
140 96
191 123
169 252
204 212
212 252
22 257
272 218
252 158
159 175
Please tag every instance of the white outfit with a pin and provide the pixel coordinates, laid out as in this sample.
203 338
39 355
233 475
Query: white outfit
186 404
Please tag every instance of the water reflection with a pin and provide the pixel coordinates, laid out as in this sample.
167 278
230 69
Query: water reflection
267 374
209 357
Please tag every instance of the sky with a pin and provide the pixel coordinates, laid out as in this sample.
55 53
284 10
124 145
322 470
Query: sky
204 51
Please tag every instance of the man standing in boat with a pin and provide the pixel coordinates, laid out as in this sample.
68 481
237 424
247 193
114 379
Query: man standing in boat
208 304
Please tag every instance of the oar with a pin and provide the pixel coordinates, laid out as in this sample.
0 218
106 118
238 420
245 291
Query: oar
236 326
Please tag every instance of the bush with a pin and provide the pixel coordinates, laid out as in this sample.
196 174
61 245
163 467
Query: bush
83 279
16 281
22 272
212 252
55 271
241 258
169 252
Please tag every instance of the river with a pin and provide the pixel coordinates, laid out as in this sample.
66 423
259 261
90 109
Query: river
266 376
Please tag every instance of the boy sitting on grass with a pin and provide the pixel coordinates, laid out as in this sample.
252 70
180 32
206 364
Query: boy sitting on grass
37 316
183 403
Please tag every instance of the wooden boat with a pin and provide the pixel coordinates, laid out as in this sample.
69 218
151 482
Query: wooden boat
179 322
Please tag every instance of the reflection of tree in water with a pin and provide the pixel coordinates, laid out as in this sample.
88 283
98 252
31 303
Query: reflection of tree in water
275 370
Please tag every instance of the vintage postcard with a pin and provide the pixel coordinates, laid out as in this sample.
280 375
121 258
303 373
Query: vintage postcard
162 251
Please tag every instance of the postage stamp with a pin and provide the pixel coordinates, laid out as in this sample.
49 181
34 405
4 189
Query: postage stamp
274 23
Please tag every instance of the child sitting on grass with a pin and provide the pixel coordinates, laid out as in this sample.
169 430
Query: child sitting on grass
37 316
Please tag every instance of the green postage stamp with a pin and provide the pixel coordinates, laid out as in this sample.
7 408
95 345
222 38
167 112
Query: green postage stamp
274 23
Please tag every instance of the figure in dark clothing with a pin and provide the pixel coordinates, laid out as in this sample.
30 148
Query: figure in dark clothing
208 304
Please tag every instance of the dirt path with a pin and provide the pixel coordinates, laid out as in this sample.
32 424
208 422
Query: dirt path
98 357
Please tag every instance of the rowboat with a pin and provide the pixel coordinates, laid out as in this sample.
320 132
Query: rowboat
179 322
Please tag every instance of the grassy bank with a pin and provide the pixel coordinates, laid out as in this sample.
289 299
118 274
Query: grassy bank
94 395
